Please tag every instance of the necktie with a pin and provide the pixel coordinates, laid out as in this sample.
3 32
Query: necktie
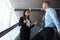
43 22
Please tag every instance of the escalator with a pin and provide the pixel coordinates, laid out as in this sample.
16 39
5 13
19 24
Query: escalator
9 30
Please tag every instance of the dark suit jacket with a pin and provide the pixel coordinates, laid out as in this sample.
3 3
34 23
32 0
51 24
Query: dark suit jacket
25 30
24 27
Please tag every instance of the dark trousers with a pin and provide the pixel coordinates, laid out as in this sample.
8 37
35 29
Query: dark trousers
45 34
25 34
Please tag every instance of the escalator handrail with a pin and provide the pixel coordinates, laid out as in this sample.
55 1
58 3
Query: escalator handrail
8 30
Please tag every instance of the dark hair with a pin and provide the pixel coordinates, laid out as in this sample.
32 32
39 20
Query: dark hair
47 2
24 13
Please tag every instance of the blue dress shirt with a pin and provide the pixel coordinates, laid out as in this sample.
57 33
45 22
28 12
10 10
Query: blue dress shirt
51 18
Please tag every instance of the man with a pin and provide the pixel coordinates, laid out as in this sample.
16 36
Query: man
50 22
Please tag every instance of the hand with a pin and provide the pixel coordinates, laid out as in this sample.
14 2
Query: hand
35 23
59 33
25 21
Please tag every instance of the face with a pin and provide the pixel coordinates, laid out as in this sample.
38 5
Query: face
27 13
45 5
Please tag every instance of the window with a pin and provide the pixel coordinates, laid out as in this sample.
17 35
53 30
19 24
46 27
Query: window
7 15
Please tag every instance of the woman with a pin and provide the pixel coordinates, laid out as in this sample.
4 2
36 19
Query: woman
25 22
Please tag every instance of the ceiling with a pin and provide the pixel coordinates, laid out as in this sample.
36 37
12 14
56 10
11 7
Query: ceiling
32 3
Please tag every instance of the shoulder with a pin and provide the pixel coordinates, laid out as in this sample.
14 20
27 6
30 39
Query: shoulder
21 17
51 9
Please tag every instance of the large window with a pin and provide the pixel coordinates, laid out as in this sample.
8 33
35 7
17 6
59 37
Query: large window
7 15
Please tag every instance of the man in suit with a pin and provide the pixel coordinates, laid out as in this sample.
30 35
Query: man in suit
50 21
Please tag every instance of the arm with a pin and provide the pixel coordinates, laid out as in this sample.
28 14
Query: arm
55 19
21 23
34 24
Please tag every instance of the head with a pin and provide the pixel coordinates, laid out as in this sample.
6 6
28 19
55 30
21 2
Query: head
26 13
46 4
